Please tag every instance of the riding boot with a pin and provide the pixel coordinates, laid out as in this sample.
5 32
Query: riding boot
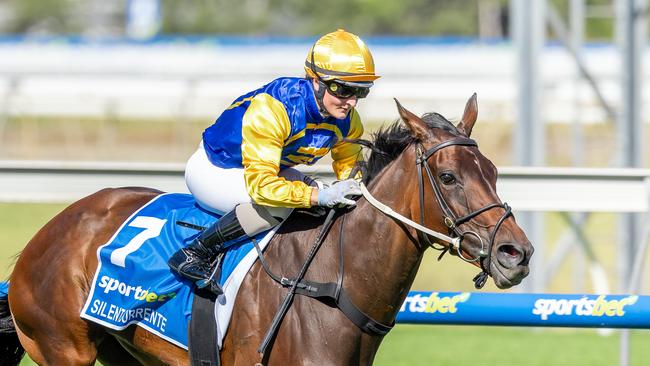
194 261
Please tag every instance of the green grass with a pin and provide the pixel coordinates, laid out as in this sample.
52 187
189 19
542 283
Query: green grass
425 345
18 223
412 345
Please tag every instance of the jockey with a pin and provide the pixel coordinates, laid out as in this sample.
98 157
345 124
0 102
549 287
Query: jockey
243 167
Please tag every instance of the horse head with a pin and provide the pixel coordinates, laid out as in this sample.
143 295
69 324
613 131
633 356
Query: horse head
455 194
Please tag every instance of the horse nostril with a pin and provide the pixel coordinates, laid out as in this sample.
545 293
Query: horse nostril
509 255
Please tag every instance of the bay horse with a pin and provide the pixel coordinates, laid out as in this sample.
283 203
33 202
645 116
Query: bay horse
52 276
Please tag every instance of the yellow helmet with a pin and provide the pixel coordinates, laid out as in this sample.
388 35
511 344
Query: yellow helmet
342 56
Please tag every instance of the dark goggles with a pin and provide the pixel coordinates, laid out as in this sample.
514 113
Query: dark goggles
346 91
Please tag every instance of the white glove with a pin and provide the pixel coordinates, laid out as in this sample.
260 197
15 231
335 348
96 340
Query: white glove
337 194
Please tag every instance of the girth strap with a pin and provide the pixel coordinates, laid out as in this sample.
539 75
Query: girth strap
203 348
328 290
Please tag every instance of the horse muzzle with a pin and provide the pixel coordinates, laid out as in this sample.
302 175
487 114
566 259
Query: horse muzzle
509 264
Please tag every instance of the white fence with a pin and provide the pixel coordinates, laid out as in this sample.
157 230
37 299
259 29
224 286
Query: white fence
525 189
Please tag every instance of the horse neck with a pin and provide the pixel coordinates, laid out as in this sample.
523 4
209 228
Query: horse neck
382 255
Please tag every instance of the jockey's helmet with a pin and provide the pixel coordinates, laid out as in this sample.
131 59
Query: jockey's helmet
341 56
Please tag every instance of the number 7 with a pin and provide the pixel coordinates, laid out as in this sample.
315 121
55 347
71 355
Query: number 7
152 226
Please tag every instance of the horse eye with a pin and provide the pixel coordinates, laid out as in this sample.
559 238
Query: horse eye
447 178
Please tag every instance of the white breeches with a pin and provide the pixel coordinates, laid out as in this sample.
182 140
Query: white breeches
220 190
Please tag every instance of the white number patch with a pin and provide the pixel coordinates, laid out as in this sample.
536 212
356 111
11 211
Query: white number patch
152 226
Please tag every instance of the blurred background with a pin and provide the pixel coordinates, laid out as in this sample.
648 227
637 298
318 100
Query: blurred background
560 84
74 75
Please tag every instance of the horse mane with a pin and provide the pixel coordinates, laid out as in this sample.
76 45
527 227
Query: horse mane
389 142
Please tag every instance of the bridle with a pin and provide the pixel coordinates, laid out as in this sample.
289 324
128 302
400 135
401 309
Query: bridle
452 221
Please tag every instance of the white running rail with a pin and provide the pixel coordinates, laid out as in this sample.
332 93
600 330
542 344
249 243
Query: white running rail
525 189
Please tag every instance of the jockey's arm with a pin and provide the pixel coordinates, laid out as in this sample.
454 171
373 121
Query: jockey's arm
265 128
344 154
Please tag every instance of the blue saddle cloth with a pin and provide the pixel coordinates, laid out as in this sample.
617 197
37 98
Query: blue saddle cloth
134 285
4 289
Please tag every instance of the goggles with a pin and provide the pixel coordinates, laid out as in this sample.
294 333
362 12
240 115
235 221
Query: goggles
346 91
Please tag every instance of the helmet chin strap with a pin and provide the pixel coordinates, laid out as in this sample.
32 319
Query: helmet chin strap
320 94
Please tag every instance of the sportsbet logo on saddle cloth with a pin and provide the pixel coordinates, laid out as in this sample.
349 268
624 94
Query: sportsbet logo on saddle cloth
133 284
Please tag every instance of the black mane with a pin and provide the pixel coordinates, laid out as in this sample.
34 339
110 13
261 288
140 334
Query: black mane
389 142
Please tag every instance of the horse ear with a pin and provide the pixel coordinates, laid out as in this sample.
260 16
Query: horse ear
414 123
469 116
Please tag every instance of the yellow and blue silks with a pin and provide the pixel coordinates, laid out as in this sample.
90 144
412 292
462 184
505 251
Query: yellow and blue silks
279 126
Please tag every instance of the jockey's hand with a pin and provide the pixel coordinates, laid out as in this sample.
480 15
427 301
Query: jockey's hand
338 194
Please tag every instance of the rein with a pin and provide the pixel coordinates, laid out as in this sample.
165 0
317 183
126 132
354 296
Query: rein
455 242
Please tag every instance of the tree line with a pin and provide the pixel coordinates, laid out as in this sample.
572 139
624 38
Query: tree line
301 18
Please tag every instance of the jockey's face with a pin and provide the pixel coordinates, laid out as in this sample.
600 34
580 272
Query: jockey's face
337 107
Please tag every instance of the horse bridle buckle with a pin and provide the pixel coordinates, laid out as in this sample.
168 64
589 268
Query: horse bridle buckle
449 222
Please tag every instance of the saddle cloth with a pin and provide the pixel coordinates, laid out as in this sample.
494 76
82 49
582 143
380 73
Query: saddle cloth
134 285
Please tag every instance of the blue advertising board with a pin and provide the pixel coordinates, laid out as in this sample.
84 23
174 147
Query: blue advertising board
541 310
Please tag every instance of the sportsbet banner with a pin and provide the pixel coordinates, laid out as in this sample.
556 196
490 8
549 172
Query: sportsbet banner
542 310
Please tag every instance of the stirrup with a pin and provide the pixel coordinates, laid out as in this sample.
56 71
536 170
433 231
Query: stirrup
211 284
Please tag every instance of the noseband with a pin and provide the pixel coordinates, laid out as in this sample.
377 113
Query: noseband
452 221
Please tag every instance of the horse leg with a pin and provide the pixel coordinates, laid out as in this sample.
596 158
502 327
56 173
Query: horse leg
45 303
137 346
111 353
151 344
46 349
30 347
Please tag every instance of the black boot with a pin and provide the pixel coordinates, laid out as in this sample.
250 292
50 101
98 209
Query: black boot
193 261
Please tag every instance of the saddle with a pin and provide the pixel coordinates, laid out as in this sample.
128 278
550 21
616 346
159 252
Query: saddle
134 285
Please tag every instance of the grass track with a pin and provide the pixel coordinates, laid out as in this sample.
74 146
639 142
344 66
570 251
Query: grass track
412 345
477 346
